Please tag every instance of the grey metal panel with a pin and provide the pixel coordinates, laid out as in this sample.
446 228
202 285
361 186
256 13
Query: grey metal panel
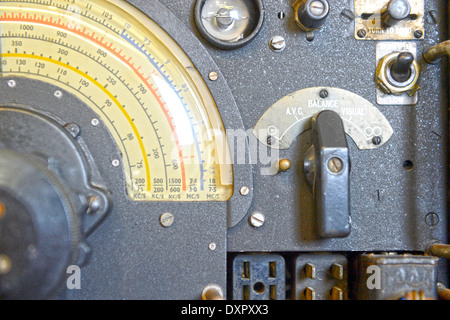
389 204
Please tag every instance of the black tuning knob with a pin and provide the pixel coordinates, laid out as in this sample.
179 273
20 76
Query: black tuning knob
39 229
401 68
311 14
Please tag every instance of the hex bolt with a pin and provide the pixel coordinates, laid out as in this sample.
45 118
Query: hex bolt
115 163
257 219
277 43
166 219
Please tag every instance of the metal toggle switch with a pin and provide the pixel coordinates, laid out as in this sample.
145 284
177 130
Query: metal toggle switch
327 169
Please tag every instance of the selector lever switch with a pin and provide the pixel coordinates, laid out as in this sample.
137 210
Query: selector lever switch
327 170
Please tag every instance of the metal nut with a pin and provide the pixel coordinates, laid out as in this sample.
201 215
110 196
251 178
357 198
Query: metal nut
388 85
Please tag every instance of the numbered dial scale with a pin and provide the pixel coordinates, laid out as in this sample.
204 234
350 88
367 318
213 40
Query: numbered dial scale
139 82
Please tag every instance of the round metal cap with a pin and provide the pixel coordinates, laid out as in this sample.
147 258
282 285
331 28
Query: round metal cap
399 9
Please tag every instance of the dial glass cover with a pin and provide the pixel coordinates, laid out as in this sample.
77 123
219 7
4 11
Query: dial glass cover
140 83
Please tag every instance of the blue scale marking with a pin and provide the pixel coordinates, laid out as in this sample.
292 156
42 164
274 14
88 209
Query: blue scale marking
173 87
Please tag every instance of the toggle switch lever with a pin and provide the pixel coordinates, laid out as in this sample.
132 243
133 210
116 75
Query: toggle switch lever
401 68
327 169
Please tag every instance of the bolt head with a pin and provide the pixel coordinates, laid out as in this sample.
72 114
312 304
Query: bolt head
278 43
95 122
213 76
257 220
323 94
284 165
166 219
116 163
245 191
418 34
376 141
361 33
335 165
317 8
432 219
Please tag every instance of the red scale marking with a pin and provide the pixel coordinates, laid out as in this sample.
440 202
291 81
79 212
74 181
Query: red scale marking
123 58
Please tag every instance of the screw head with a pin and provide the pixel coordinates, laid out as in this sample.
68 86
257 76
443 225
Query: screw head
418 34
432 219
335 165
317 8
376 141
361 33
277 43
245 191
213 76
212 246
257 219
166 219
323 94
